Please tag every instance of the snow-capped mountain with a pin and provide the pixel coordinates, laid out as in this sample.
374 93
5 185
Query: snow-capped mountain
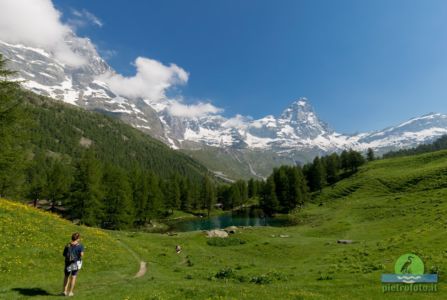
413 132
295 132
41 72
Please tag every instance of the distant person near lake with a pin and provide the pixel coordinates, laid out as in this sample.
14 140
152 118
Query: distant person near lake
73 253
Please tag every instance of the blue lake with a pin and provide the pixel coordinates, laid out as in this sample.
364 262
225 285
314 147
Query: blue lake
225 220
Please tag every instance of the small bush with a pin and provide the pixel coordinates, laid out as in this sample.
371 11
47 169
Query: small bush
325 277
263 279
225 273
189 263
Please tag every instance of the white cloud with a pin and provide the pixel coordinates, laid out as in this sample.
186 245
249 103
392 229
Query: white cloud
178 109
150 82
238 121
82 18
36 23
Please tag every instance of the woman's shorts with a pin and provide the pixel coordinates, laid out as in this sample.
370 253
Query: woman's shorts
72 272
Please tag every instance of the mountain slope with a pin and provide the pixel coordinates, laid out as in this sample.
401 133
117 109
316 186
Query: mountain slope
68 130
239 163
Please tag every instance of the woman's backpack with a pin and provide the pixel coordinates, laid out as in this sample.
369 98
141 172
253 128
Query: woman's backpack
70 253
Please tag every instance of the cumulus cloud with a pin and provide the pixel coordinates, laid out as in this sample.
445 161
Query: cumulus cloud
151 81
238 121
36 23
199 109
82 18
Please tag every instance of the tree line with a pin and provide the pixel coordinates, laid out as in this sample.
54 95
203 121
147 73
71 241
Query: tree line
439 144
109 196
289 187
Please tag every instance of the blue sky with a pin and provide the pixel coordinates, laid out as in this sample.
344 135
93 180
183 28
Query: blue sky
364 65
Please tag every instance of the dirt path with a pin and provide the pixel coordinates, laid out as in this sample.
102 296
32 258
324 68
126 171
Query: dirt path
143 264
142 270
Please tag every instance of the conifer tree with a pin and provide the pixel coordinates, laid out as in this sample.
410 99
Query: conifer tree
252 188
155 205
282 186
294 193
234 196
11 119
345 160
355 160
332 163
303 185
208 195
140 194
172 193
37 177
317 175
269 201
370 155
243 191
185 194
86 196
117 199
59 179
195 194
223 195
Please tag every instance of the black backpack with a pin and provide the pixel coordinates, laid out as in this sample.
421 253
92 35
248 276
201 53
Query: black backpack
70 253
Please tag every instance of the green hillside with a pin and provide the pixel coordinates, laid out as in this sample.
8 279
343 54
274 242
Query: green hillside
389 208
69 130
241 163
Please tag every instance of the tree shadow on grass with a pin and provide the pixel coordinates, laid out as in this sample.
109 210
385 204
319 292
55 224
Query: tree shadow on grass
31 291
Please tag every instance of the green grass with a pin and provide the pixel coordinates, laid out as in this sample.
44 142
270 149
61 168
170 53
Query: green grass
389 208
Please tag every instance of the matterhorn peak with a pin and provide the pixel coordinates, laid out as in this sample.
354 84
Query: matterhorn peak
298 110
302 101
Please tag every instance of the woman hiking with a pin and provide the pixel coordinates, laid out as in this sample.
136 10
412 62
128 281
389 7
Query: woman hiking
73 253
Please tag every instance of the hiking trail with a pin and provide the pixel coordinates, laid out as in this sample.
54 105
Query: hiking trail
143 265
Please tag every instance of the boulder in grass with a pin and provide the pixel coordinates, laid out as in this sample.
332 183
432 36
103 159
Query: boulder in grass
217 233
231 229
344 241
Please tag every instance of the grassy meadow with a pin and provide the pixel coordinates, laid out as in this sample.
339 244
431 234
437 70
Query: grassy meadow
389 208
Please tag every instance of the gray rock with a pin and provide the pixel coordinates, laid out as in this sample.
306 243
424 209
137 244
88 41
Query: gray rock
231 229
344 241
217 233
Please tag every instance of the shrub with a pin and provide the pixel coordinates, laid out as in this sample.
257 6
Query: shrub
225 273
263 279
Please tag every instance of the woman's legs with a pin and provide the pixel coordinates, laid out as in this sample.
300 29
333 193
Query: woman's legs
72 283
66 284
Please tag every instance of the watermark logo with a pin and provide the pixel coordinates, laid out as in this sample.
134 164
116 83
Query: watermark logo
409 276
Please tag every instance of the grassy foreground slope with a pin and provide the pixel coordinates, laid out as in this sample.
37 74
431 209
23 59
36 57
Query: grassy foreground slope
389 208
31 261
